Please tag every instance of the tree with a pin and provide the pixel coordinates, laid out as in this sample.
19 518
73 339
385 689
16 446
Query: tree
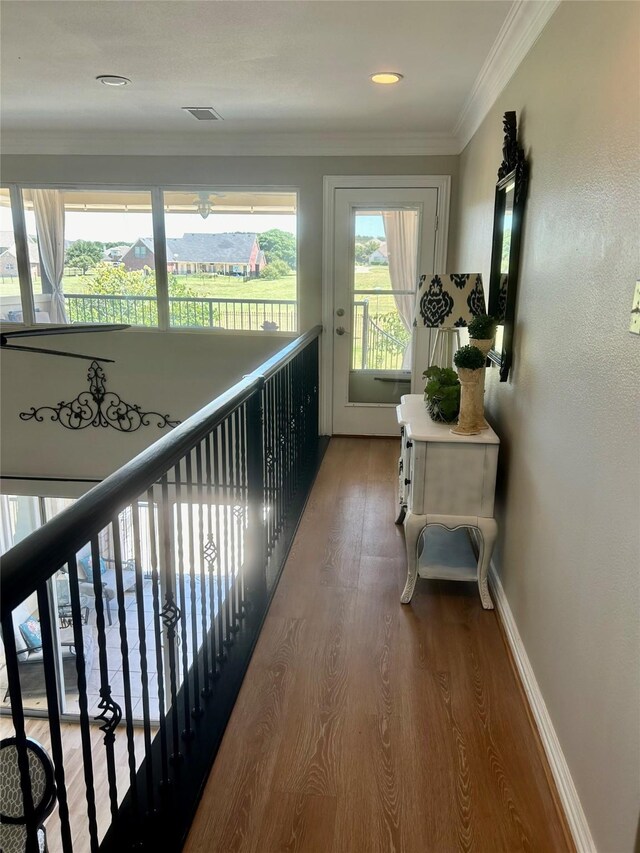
116 281
84 254
278 245
276 269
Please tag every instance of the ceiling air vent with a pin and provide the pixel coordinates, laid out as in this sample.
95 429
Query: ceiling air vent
203 113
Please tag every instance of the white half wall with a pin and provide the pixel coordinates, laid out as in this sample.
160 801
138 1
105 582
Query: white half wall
569 483
174 373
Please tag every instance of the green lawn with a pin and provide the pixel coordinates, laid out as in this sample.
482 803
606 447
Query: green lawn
222 287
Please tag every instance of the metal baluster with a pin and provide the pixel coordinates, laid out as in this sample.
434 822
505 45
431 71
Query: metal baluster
188 732
256 583
85 735
50 662
217 466
206 687
233 519
110 711
243 500
170 611
142 643
164 753
224 450
269 424
211 555
197 709
238 515
126 675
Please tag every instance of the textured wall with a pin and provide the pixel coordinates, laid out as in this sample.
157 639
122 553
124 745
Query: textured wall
569 549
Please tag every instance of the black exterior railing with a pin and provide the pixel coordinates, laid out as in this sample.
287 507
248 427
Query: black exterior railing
185 311
197 528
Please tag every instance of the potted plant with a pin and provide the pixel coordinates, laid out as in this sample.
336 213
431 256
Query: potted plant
442 394
482 328
482 333
470 362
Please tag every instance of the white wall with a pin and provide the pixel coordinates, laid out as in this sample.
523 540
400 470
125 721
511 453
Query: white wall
172 373
569 548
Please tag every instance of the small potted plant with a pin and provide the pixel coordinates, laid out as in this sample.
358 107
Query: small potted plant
482 330
470 362
482 333
442 394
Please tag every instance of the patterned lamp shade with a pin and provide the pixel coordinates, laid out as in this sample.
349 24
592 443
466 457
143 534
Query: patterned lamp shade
449 301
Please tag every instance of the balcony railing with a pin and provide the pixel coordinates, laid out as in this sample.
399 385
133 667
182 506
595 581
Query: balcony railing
196 528
374 348
186 312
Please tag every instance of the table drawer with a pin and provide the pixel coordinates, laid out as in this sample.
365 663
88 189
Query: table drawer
459 479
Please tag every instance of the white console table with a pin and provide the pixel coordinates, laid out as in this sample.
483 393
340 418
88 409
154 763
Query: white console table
445 481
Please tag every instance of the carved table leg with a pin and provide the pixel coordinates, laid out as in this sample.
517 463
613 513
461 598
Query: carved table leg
413 527
488 532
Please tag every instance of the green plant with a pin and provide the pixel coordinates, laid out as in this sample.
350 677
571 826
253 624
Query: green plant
275 269
483 328
442 393
469 357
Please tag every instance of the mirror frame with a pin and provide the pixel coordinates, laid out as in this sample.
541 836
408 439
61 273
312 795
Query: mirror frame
502 301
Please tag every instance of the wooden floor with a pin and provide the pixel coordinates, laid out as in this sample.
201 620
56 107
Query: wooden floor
364 725
74 778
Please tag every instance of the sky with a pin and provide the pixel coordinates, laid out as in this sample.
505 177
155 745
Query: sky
109 227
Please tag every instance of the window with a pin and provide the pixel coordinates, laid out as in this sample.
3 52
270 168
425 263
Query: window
10 302
231 259
81 264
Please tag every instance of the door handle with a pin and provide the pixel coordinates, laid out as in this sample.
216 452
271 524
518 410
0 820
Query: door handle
340 330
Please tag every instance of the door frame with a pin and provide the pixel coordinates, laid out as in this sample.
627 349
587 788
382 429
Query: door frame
331 183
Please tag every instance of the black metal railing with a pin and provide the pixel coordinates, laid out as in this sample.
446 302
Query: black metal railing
154 650
185 311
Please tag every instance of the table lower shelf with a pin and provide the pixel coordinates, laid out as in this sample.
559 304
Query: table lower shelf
446 555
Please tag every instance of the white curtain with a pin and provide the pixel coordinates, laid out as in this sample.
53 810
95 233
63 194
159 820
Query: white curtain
48 206
401 232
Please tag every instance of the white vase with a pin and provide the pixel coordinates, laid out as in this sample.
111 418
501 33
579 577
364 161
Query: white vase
470 420
484 345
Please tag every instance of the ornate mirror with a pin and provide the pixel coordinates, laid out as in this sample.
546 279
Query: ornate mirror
511 191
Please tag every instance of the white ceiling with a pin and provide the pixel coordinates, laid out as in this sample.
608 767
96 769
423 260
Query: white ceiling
298 67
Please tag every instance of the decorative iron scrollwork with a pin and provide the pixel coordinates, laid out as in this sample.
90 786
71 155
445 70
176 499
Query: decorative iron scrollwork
210 551
111 714
513 155
98 407
170 615
238 512
268 458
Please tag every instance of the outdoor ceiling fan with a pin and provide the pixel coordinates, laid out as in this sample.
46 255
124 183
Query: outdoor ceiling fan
7 337
204 204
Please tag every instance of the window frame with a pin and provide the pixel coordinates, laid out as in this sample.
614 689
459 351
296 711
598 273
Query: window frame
156 192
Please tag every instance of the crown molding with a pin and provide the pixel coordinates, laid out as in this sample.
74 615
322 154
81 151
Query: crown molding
231 144
520 31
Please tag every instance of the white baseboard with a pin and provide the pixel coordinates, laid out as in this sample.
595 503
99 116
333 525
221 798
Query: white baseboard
575 815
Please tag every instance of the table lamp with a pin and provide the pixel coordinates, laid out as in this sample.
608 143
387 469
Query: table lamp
447 303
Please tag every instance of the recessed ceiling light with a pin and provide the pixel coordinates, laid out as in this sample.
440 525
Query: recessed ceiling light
113 80
386 78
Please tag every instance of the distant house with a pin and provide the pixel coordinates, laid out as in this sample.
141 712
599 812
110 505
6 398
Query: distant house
380 256
139 255
236 253
8 257
115 254
6 240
